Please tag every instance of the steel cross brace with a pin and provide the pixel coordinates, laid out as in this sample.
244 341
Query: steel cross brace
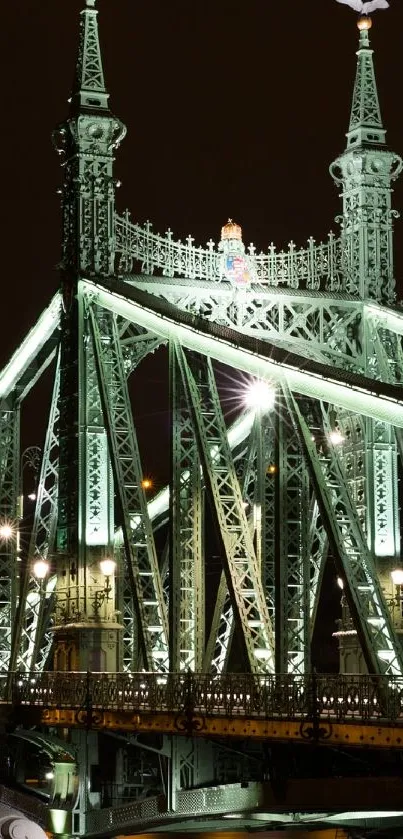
186 554
9 492
243 573
31 640
137 531
355 562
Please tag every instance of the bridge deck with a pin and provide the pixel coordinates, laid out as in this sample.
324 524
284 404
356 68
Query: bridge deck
353 710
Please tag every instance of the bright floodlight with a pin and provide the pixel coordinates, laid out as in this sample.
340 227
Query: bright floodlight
340 582
336 437
41 569
397 576
107 566
260 396
6 531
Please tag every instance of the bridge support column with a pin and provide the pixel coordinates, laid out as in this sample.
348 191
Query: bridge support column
191 765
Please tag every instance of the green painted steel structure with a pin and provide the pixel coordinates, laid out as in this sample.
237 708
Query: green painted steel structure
318 475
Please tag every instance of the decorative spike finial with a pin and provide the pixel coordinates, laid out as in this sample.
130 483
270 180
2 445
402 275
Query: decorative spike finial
366 127
89 92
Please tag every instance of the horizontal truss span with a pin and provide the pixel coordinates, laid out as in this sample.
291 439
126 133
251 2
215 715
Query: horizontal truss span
345 389
333 698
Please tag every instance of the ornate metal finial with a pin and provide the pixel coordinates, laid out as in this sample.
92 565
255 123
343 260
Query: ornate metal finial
89 90
364 23
231 230
365 7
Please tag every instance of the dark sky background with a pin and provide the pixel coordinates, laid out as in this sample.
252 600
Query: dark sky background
232 108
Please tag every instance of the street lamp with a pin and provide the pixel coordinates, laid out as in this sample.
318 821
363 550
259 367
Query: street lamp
107 567
336 437
7 531
397 576
41 569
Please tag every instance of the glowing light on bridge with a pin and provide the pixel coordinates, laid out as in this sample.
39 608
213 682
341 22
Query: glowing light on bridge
260 396
7 531
397 576
336 437
41 569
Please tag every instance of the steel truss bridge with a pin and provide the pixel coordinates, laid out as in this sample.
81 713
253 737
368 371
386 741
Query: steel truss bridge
141 664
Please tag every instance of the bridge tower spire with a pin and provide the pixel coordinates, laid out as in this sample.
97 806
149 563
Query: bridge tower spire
365 172
89 89
85 617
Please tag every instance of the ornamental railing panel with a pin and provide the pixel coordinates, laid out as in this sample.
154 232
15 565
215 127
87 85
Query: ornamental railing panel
334 697
318 266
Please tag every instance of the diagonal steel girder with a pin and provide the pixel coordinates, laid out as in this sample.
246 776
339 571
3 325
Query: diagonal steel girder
186 540
31 633
351 391
243 572
137 531
372 619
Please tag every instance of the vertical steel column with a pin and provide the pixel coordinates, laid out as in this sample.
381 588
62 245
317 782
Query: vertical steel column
9 500
186 569
292 619
37 597
137 531
356 565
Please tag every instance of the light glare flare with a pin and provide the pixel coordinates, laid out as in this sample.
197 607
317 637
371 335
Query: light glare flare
41 569
397 576
107 566
260 396
6 531
336 437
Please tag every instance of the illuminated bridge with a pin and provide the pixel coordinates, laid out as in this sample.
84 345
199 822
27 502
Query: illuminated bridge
355 710
156 648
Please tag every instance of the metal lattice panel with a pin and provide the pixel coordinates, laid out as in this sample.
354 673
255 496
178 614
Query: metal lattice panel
9 510
32 639
137 532
381 647
220 476
186 572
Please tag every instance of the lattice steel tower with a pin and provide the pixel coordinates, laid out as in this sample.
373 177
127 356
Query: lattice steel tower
308 470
